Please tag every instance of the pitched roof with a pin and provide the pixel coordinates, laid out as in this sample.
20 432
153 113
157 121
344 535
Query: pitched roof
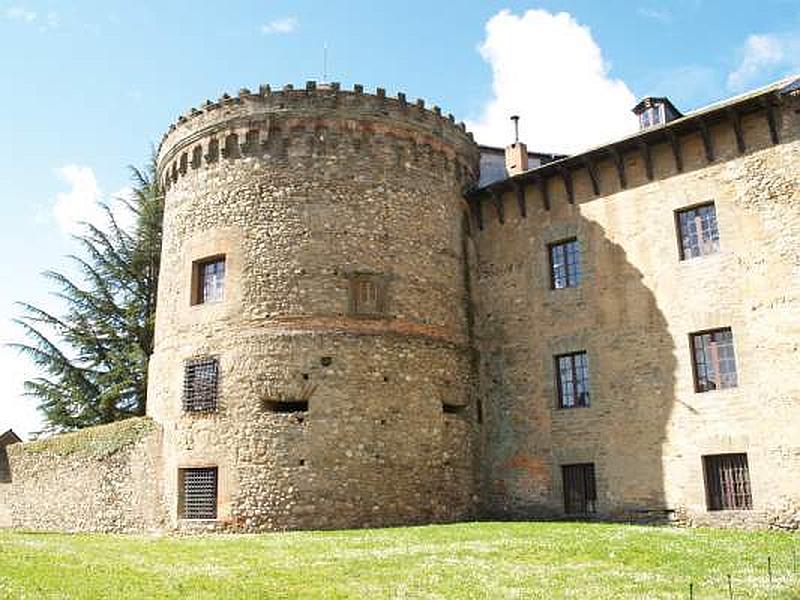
8 438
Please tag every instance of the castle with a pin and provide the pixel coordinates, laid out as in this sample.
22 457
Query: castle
365 319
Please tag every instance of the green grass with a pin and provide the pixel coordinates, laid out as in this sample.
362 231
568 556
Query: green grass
475 560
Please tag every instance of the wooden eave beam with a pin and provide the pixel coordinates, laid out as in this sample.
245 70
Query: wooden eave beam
497 200
648 158
705 134
542 183
675 143
769 106
736 120
566 177
592 170
519 191
620 165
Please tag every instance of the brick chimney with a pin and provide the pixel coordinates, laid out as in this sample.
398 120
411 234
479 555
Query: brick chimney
516 153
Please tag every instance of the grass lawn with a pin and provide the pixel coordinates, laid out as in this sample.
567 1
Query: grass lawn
474 560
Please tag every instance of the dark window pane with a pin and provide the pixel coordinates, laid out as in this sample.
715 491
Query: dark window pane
727 482
698 231
714 360
200 382
565 264
212 281
198 493
580 493
572 375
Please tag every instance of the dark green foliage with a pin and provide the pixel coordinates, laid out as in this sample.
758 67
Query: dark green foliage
93 358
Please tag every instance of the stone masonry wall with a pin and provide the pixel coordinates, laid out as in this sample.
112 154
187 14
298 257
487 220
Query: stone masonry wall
646 429
314 187
105 478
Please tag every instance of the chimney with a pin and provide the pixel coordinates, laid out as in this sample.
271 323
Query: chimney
516 153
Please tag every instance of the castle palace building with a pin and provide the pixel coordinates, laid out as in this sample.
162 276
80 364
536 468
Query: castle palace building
365 319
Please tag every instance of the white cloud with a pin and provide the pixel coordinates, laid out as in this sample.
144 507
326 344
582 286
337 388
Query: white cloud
662 15
765 56
20 13
282 25
548 69
79 202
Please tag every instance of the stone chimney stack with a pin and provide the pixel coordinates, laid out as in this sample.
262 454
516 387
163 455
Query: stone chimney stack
516 153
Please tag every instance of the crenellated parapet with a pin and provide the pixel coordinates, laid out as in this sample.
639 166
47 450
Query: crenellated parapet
294 124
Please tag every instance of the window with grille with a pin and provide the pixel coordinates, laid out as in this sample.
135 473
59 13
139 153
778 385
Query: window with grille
198 493
367 294
580 493
697 228
200 384
208 280
565 264
727 482
572 379
714 360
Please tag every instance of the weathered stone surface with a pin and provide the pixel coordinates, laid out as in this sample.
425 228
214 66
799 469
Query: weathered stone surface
106 478
302 190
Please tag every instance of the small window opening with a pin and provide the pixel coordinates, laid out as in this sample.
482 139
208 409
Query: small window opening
580 493
698 231
200 384
572 380
452 409
713 360
197 493
565 264
326 361
727 482
286 406
208 280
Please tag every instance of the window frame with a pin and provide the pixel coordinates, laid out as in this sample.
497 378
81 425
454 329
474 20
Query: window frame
355 306
211 406
698 389
577 274
682 256
182 495
588 478
740 497
198 295
574 382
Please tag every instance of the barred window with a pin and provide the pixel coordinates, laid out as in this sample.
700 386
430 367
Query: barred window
565 264
697 228
727 482
580 493
572 379
367 294
208 280
200 384
198 493
714 360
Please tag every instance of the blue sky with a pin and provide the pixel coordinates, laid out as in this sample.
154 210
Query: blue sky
89 86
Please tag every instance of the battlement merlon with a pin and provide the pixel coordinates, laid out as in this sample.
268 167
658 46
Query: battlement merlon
232 114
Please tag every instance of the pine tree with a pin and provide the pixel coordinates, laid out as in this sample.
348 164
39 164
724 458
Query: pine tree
93 358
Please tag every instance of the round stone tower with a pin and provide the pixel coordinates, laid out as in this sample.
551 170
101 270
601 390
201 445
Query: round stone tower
312 362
